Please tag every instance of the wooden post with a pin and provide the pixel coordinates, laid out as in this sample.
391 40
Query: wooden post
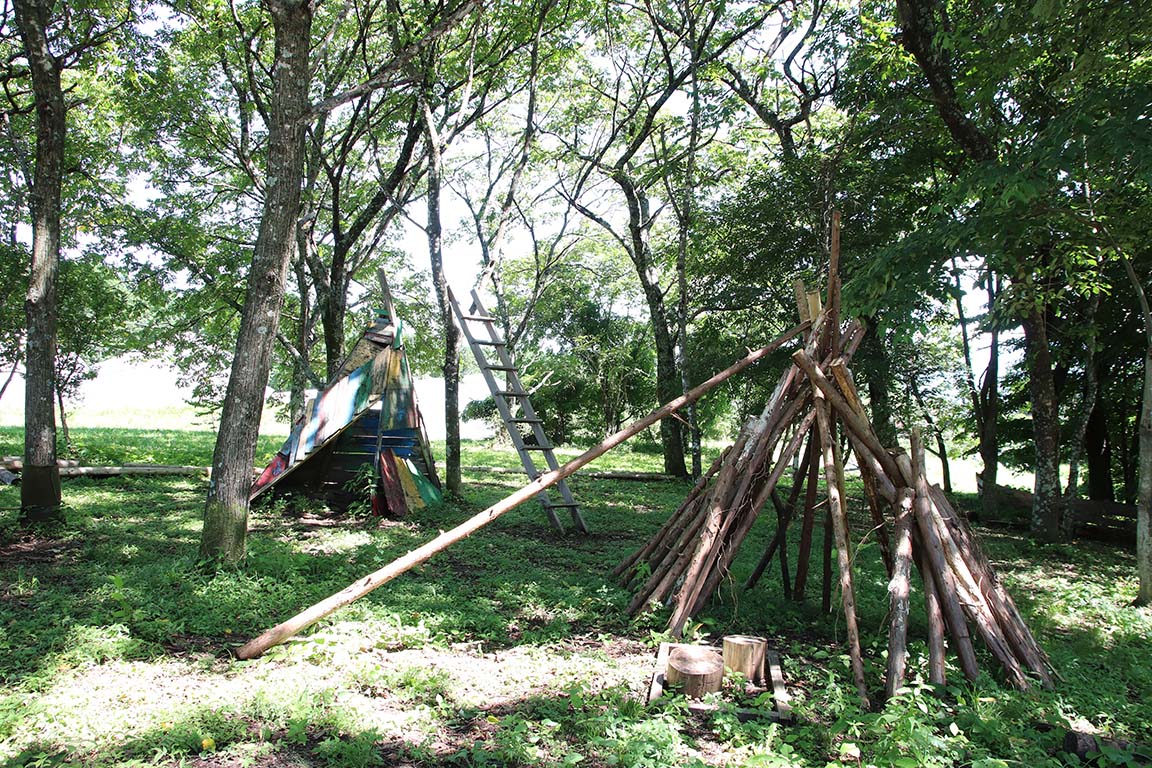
899 589
745 654
685 597
741 520
972 598
1017 631
826 571
814 307
801 294
375 580
834 478
673 522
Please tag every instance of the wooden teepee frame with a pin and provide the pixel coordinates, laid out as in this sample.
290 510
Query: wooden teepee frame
684 562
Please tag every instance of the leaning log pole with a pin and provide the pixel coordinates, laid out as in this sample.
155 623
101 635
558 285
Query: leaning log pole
309 616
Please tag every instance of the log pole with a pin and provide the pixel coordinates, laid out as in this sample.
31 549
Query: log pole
946 588
306 618
834 477
899 589
936 663
854 421
804 553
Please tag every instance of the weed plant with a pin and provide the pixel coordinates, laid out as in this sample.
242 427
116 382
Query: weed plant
510 648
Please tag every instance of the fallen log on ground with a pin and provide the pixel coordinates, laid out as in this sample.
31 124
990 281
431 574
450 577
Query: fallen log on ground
131 469
306 618
611 474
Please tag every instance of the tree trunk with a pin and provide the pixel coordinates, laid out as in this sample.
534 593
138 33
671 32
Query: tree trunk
667 376
1144 489
297 398
40 484
451 369
989 413
334 308
1088 404
686 215
879 378
1098 455
1048 504
226 510
668 388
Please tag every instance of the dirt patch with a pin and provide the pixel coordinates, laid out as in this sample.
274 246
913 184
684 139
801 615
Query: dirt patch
31 549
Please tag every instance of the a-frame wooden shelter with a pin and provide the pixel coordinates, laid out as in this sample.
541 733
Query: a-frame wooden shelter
367 415
684 563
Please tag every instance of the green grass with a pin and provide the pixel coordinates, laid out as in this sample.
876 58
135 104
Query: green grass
510 648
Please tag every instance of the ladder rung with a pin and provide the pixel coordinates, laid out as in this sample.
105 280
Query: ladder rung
488 343
525 421
500 367
510 393
569 504
479 318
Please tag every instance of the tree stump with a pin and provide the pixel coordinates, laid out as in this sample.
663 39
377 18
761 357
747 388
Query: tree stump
745 654
697 670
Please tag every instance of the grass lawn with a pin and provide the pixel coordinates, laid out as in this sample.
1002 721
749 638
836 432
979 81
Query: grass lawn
510 648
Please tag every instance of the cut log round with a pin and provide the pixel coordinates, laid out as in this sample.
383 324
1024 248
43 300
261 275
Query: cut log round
698 670
745 654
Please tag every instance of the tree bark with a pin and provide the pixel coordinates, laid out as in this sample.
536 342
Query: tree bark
667 376
920 22
1049 521
989 413
834 479
1098 454
899 590
226 510
1144 481
451 368
879 378
40 485
1088 404
1144 486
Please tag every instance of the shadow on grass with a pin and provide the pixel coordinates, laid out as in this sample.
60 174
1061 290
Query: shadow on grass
122 582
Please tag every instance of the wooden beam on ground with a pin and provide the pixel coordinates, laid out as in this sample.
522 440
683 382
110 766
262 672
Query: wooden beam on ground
643 477
131 469
306 618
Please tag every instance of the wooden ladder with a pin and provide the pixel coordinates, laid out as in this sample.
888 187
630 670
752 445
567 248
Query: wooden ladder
511 397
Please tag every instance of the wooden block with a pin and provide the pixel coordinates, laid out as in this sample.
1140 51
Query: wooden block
698 670
772 675
745 654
